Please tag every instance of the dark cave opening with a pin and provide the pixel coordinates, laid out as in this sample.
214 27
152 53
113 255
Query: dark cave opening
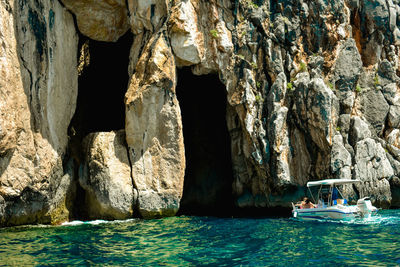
208 176
102 84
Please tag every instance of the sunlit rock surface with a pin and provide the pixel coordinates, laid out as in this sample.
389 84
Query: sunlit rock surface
38 88
312 92
154 131
106 177
104 20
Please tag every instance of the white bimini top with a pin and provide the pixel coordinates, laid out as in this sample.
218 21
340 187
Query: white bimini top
332 182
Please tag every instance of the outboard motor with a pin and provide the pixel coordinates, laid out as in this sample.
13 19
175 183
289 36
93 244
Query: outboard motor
365 207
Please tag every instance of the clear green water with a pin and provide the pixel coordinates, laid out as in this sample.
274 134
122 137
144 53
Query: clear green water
188 241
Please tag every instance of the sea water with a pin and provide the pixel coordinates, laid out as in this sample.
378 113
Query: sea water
195 241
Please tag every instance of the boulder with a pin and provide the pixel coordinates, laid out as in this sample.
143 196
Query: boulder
375 109
104 20
186 39
106 177
359 130
392 95
393 118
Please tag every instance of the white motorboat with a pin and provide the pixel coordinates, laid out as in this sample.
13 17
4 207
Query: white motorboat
332 204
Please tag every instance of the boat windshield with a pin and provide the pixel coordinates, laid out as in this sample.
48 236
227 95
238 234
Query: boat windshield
327 195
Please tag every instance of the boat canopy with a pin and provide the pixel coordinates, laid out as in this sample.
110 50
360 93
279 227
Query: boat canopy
332 182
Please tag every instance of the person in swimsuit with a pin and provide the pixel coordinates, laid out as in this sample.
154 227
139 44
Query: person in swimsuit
308 204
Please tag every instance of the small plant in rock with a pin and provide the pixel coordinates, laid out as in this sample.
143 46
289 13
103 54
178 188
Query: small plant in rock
259 99
376 80
214 33
240 56
251 4
303 67
254 65
290 86
285 20
358 89
330 85
258 84
338 128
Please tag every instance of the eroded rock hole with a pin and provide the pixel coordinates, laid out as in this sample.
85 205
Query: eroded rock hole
102 84
208 176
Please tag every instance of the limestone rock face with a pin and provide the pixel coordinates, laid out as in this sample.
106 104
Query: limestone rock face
154 131
37 52
359 130
371 167
341 159
375 109
318 108
347 71
186 38
104 20
106 177
312 92
147 14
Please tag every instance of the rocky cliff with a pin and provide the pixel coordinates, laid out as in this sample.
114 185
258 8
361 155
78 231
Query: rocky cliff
116 109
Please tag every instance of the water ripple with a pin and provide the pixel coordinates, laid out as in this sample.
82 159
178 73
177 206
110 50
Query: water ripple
187 241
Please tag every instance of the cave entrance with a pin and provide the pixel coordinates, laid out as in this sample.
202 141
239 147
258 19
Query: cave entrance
208 177
102 85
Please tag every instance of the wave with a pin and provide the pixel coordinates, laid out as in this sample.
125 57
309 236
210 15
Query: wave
95 222
374 220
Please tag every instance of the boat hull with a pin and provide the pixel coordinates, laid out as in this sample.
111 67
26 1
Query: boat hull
329 213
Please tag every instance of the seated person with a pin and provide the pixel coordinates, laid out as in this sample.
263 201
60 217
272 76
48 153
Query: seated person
308 205
301 203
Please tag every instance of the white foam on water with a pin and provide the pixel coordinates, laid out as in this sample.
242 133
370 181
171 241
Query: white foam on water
95 222
73 223
373 220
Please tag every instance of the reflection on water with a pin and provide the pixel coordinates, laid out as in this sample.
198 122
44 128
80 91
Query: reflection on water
186 241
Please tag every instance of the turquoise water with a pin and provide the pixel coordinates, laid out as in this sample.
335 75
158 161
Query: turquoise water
188 241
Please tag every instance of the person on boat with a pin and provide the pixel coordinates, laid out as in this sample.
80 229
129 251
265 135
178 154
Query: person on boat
301 203
335 193
308 204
